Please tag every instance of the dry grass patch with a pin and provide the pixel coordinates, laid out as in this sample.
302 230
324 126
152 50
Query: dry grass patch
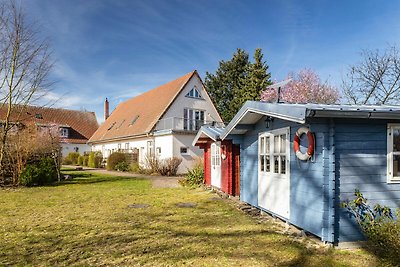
88 221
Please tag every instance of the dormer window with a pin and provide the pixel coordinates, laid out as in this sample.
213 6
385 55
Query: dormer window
194 93
39 116
64 132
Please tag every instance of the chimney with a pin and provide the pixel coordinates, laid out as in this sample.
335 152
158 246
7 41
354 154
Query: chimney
106 109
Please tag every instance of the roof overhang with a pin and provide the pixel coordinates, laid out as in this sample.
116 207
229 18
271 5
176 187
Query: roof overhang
207 133
253 111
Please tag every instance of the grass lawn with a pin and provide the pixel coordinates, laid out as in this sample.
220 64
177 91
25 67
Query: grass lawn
88 221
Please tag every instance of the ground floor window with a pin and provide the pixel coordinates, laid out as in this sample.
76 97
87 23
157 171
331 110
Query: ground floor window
184 150
150 148
393 153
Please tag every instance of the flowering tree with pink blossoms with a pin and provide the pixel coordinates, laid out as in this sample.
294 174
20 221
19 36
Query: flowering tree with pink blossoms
304 87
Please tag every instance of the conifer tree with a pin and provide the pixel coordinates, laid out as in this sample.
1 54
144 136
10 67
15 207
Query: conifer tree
227 82
236 81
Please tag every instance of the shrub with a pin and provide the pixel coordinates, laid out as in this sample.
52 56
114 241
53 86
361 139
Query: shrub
71 158
94 160
40 173
80 160
29 175
85 160
169 167
152 164
135 168
123 166
194 177
67 161
378 224
114 159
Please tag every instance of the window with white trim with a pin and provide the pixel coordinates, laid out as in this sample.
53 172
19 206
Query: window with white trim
194 93
63 132
393 153
184 150
272 152
193 119
150 148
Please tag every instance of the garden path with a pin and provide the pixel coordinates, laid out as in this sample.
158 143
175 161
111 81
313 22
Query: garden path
156 180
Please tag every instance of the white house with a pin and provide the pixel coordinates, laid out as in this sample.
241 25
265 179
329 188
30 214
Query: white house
161 122
76 127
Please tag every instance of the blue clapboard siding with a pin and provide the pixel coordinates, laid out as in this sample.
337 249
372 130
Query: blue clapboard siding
308 186
309 196
249 169
361 164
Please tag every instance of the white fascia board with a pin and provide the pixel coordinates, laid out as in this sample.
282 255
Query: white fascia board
199 134
233 124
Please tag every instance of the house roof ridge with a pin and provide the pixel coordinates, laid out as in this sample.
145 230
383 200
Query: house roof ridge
140 114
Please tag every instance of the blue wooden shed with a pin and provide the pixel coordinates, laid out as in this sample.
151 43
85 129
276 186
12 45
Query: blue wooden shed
356 147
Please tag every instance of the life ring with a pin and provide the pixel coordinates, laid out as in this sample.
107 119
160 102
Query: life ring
311 143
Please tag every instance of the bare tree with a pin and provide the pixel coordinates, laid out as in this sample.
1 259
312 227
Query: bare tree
24 67
375 79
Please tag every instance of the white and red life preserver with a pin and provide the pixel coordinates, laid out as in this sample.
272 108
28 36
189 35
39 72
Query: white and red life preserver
310 147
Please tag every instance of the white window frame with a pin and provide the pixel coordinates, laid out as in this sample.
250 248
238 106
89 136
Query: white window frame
184 153
270 151
64 132
390 153
189 119
194 93
216 154
150 148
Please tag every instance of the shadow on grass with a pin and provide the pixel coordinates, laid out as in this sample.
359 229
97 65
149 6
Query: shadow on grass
91 178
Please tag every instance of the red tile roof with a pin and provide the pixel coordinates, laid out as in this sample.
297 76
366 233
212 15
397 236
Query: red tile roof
81 124
140 114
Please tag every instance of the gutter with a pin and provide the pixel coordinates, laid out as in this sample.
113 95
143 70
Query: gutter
119 138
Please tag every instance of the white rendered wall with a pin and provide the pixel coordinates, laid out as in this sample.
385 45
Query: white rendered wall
67 148
165 142
139 143
182 102
194 153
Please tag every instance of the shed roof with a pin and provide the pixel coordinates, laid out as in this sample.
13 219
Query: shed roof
252 111
208 131
140 114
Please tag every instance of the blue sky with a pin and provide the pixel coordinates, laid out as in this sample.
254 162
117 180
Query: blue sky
119 49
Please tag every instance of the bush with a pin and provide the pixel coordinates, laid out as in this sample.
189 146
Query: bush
41 173
169 167
80 160
378 224
135 168
71 158
194 177
152 164
123 166
95 158
114 159
85 160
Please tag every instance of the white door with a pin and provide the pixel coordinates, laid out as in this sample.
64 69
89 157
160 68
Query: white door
216 164
273 172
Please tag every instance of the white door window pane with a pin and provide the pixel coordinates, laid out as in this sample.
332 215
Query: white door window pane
396 140
276 144
396 165
283 143
283 164
262 145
